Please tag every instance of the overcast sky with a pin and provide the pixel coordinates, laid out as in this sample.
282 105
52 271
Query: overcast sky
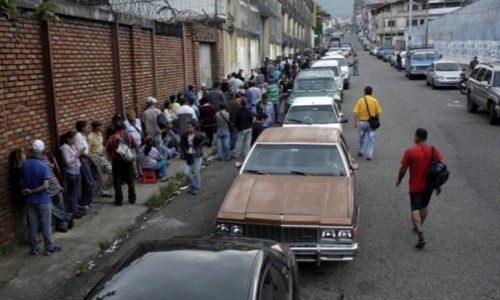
337 8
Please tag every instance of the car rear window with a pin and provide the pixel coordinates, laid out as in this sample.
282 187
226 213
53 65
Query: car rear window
293 159
447 67
311 114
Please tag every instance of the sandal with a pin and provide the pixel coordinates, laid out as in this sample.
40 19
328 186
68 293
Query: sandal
165 179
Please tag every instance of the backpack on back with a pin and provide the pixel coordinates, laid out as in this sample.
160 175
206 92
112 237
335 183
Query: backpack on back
124 150
437 174
161 120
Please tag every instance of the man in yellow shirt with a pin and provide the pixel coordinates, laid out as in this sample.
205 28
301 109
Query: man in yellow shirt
365 108
101 163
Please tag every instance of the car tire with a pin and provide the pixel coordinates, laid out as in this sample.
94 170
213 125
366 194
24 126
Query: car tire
346 86
433 85
471 106
410 77
427 82
493 114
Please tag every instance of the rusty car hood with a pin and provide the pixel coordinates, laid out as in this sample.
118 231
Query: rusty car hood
289 200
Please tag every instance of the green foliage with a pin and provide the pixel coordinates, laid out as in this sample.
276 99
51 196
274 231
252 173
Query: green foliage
105 244
8 8
45 11
121 232
320 11
155 201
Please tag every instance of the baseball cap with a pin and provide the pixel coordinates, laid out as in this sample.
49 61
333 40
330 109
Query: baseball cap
190 86
38 146
151 100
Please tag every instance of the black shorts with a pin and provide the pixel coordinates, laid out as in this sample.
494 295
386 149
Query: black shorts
420 200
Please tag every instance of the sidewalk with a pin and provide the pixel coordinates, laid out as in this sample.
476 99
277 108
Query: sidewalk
25 276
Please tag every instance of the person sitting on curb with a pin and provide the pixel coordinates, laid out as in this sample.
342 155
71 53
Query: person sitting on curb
151 159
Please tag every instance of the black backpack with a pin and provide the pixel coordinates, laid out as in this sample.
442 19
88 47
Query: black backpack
437 174
161 120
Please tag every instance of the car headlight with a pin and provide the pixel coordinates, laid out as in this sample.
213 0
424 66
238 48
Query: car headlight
345 234
222 228
440 77
236 229
328 234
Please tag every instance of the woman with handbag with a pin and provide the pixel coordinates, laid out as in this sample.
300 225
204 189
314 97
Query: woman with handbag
134 127
191 143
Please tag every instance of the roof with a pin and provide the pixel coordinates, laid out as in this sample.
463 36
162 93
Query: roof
334 55
292 135
326 62
183 268
315 73
312 101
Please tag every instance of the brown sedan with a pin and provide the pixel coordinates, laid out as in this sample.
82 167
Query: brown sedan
297 187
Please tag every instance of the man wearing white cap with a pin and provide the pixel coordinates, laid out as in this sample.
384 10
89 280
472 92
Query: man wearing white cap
149 121
35 182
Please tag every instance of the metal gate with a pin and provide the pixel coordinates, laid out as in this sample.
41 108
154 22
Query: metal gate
206 64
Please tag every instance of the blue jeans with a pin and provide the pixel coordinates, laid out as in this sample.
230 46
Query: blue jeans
171 152
194 181
355 69
40 212
364 128
57 209
160 166
87 181
233 134
72 182
223 140
276 112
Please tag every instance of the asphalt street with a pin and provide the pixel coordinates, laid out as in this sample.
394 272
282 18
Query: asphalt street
462 257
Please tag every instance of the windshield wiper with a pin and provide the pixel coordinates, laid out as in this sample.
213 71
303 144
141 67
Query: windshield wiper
301 173
299 121
256 172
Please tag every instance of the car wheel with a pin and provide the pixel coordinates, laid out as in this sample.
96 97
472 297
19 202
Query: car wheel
427 82
410 77
471 106
433 84
346 86
493 114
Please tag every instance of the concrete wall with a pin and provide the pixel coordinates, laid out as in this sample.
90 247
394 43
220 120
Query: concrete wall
471 31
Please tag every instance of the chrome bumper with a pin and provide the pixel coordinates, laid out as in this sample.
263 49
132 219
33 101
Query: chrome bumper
323 253
418 72
447 83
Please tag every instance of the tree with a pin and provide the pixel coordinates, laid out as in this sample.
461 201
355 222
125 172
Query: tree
320 11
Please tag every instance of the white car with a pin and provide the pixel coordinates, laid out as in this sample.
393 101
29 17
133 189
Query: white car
344 67
443 73
346 50
314 111
333 50
393 59
334 66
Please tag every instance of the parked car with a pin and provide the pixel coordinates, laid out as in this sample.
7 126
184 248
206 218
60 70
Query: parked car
387 55
367 46
331 64
315 83
344 67
393 58
333 50
222 267
483 90
443 73
297 187
370 50
375 50
381 51
316 111
418 60
345 50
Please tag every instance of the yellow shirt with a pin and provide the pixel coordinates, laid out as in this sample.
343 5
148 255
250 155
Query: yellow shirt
95 143
362 112
175 106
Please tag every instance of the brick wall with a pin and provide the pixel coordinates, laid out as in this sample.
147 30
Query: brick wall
84 78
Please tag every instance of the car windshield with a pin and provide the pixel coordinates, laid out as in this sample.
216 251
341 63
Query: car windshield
342 61
496 80
447 67
389 52
314 84
311 114
292 159
333 50
334 69
424 55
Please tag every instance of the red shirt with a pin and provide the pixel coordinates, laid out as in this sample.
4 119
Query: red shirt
112 143
418 158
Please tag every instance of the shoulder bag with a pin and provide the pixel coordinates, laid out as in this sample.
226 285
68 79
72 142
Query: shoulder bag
227 122
373 121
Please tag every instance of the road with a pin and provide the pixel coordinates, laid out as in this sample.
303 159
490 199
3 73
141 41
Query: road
462 256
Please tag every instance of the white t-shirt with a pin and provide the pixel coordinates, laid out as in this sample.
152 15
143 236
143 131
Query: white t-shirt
131 129
81 142
186 109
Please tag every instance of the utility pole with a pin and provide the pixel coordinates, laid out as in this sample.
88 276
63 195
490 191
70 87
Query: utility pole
408 45
427 26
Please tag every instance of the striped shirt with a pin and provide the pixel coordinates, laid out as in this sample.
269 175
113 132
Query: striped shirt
54 186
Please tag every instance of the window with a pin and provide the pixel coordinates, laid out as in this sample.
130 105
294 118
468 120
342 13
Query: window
311 114
391 23
413 23
480 75
422 21
273 286
487 76
474 72
448 67
496 80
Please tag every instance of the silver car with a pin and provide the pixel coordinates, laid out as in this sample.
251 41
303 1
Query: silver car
443 73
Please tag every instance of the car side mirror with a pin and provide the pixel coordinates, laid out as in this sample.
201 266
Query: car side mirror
344 121
484 82
354 166
238 165
440 55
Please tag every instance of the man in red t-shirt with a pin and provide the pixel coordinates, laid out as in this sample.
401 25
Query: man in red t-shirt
123 172
418 159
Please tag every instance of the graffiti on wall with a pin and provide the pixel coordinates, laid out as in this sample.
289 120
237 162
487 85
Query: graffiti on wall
485 50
